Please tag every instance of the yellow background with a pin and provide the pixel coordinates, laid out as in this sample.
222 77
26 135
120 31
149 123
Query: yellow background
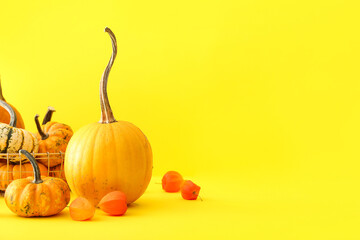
256 101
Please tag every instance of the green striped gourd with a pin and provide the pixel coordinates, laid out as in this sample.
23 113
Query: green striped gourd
13 139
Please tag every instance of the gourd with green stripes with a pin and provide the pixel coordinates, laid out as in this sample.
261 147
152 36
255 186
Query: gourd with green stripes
13 139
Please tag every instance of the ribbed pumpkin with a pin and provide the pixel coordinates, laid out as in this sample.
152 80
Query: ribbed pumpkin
33 196
5 116
12 172
13 139
53 137
108 155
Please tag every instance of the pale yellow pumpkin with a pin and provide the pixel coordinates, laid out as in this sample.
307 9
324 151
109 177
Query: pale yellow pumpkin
109 155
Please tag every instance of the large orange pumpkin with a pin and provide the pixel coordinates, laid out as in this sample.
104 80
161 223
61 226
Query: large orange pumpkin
108 155
33 196
5 116
53 137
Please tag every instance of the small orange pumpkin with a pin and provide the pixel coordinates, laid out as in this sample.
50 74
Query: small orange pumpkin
53 137
12 172
33 196
5 116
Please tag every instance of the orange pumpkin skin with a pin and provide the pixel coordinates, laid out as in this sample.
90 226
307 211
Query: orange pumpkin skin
7 175
58 138
28 199
58 130
58 172
5 117
102 158
3 182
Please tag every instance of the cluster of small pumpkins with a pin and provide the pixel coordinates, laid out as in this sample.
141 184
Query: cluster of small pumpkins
52 137
16 170
100 158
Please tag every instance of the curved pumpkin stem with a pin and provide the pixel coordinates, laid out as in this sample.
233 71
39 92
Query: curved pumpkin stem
1 94
10 110
48 115
41 132
37 176
107 115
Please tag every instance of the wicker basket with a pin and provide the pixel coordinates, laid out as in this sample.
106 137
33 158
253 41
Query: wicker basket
5 162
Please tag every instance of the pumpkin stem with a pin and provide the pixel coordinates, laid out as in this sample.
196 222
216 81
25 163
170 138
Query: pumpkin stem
48 115
1 94
41 132
107 115
10 110
37 176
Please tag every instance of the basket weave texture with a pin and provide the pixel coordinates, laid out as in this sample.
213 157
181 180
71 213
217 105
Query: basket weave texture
10 171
